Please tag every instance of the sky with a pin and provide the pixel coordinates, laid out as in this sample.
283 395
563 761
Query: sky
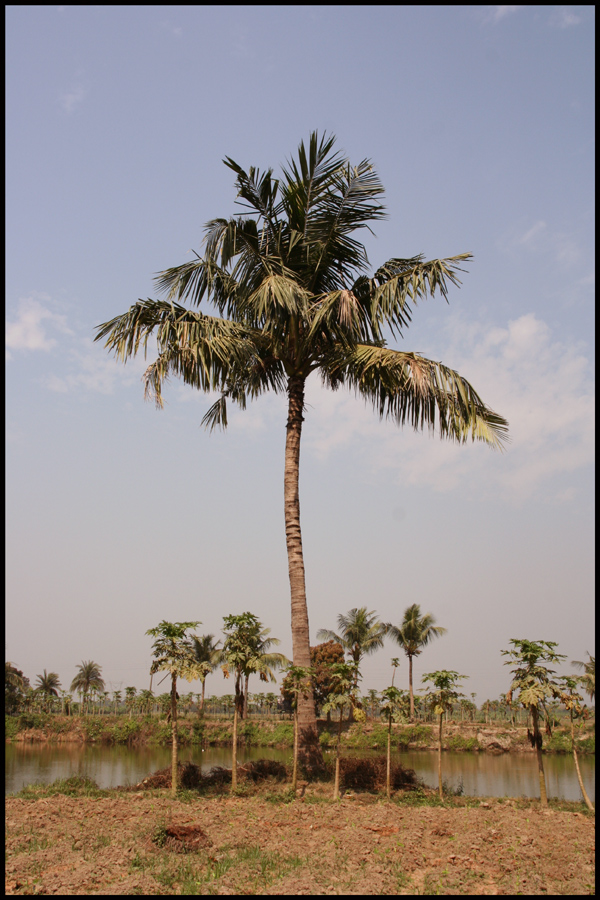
480 124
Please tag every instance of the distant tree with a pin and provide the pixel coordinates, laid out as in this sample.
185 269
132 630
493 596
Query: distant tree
360 633
48 684
242 634
588 679
300 679
172 651
130 696
391 709
16 686
534 685
345 677
117 697
208 656
322 657
88 678
267 661
440 699
414 633
146 700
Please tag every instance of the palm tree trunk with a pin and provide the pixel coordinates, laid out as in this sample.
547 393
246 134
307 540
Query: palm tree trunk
202 703
538 752
309 749
440 759
174 734
410 688
584 794
295 769
389 758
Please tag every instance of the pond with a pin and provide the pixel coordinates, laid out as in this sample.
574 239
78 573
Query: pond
481 774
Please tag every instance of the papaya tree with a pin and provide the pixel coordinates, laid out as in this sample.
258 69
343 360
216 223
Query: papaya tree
440 698
573 702
299 680
533 685
345 680
173 653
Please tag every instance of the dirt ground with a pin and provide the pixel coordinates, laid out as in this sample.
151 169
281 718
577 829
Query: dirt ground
145 843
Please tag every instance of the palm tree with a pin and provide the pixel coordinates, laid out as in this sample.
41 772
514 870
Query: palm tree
172 651
265 662
588 680
289 284
361 633
207 656
414 632
88 678
48 684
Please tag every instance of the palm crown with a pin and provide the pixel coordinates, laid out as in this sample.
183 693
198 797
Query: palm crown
290 288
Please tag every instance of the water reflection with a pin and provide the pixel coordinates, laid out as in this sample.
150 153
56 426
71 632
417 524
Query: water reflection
481 774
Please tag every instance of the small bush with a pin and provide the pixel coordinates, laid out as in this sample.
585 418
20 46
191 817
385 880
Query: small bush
415 734
370 774
458 742
11 726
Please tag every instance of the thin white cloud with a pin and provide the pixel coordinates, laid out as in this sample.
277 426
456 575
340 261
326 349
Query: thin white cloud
542 386
69 100
564 17
542 239
29 329
497 13
93 370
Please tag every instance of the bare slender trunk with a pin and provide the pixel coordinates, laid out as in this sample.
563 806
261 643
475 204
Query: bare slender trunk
245 708
336 783
309 749
234 750
295 770
202 701
440 759
587 800
410 688
389 758
174 734
538 751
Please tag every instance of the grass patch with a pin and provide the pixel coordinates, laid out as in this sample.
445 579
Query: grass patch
75 786
458 742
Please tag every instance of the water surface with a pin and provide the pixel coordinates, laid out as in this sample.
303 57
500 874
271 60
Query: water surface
481 774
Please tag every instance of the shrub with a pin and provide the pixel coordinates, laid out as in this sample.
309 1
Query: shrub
370 774
458 742
11 726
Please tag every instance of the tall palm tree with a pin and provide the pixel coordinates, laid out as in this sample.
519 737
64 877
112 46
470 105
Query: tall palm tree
88 678
207 655
289 285
588 679
414 632
360 633
48 684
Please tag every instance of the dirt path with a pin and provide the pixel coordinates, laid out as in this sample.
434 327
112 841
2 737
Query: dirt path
120 844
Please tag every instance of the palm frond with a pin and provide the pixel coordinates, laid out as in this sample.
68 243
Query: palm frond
398 281
412 389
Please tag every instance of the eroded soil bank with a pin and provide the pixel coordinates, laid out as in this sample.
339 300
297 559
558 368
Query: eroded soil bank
146 843
276 733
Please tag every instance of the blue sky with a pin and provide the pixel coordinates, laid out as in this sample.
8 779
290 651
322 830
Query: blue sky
480 123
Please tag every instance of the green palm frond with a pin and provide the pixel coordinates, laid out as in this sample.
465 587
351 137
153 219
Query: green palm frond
411 389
